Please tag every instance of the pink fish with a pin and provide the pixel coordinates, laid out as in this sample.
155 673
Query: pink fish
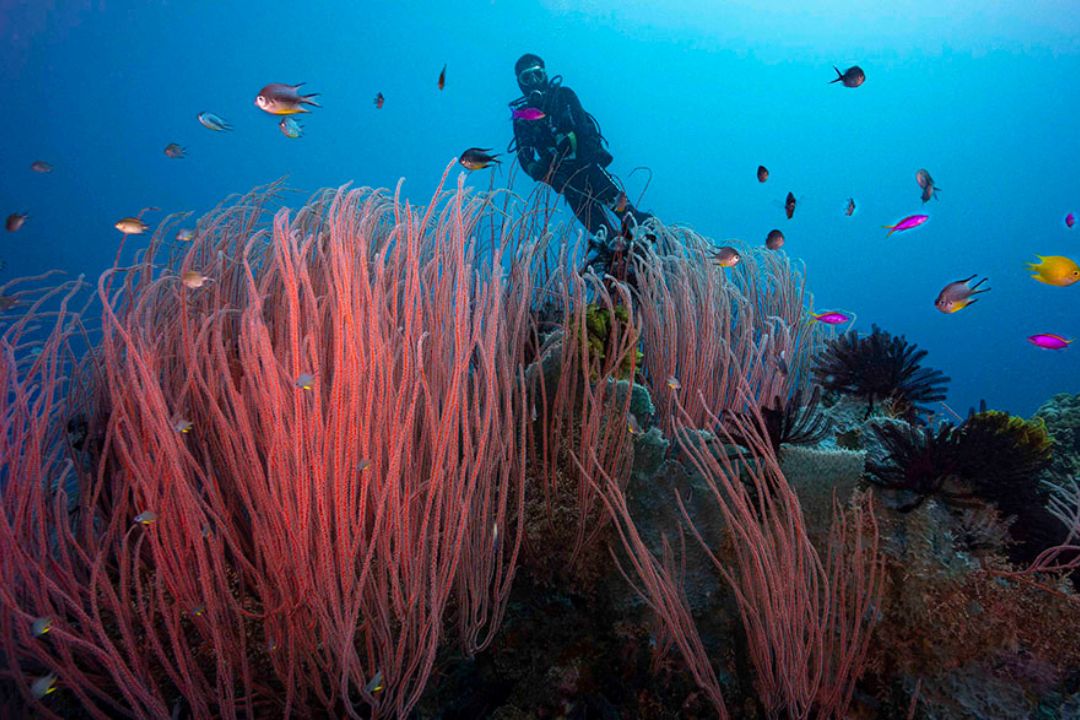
907 223
1049 341
529 113
831 318
1070 220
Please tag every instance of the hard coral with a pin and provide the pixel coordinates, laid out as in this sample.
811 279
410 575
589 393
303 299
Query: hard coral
877 367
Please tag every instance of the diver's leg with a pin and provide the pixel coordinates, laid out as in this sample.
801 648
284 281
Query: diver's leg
579 194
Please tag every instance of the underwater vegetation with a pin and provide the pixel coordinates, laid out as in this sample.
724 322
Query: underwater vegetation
880 367
507 500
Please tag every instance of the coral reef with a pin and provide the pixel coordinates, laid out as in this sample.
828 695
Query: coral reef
1061 413
880 367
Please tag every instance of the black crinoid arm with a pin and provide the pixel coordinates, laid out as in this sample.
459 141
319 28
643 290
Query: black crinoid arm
919 463
880 367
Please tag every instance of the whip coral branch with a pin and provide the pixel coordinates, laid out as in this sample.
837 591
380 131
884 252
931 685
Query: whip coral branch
324 448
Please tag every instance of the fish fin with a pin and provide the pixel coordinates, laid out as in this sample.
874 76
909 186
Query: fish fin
969 278
307 99
839 75
1040 279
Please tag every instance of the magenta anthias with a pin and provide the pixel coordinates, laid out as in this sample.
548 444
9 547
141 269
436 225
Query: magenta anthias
907 223
1049 341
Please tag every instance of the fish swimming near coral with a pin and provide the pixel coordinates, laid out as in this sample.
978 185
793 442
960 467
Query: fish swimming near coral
853 77
957 295
830 318
282 99
43 686
1055 270
193 279
911 221
212 122
305 381
774 240
726 256
131 226
41 626
147 517
185 235
1049 341
478 158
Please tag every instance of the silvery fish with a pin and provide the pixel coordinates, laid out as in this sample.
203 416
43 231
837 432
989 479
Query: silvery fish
290 128
213 122
957 295
131 226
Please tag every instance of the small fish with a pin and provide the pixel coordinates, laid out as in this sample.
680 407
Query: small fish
1055 270
282 99
442 78
726 256
620 203
305 381
853 77
850 209
185 235
36 351
131 226
183 426
375 684
15 221
193 279
911 221
529 113
929 189
633 425
1049 341
174 151
830 318
478 158
43 686
774 240
7 302
213 122
673 383
1070 220
146 517
379 100
41 626
40 166
957 295
198 611
762 173
362 465
494 538
290 128
789 205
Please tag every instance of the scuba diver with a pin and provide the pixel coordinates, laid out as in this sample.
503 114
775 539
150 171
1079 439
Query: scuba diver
560 144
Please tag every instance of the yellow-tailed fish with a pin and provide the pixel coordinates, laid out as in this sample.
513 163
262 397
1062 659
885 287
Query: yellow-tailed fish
43 686
41 625
146 517
305 381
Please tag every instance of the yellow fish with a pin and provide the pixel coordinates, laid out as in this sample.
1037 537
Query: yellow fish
1055 270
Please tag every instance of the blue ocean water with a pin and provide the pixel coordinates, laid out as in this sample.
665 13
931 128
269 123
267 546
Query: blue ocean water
701 93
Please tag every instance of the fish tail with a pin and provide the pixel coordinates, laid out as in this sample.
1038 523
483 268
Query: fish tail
307 99
839 75
890 228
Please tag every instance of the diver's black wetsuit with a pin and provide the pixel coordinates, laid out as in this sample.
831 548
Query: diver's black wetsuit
565 150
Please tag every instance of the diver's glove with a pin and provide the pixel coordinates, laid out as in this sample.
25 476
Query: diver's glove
566 145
